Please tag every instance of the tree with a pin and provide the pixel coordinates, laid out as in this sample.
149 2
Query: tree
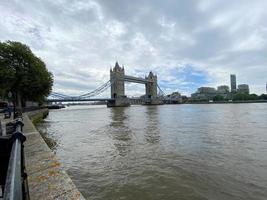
23 73
241 97
218 98
263 97
253 97
245 97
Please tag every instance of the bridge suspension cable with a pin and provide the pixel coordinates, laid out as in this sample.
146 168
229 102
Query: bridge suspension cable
58 95
93 93
98 90
161 92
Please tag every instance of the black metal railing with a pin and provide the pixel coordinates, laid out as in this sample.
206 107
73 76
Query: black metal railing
13 177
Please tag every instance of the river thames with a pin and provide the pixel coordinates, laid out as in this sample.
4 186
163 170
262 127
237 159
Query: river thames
207 151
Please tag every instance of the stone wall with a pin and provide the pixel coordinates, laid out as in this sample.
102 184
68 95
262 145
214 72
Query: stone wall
47 178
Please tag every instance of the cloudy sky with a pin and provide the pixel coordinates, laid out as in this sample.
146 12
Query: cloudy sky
187 43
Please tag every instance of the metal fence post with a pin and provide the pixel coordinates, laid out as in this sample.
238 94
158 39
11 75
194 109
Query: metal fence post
14 179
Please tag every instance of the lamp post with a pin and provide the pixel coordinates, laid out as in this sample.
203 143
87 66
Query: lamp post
9 95
12 96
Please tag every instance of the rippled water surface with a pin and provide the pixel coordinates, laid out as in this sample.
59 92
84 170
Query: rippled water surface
163 152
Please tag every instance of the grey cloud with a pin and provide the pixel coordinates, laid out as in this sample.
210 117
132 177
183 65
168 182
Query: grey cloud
85 37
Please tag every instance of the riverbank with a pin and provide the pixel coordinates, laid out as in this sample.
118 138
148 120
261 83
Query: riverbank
228 102
46 177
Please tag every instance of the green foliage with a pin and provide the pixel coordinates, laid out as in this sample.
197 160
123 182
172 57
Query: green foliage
253 97
22 72
263 97
247 97
241 97
218 98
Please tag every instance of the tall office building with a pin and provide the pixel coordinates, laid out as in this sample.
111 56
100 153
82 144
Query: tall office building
233 82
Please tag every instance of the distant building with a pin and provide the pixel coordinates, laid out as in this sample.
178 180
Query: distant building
222 93
206 90
184 99
208 93
204 94
243 88
174 97
223 89
233 82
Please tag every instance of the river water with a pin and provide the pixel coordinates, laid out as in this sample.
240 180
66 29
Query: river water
190 152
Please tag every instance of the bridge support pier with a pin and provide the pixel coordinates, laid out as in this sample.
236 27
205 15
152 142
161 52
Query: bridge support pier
119 102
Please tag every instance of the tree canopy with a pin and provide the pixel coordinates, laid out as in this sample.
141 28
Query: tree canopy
23 73
247 97
218 98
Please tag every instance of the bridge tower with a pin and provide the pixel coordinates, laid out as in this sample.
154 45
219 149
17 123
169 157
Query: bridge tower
117 79
119 99
151 90
151 86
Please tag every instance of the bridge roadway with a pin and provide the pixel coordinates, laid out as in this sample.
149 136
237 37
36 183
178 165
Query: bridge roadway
88 99
136 80
78 99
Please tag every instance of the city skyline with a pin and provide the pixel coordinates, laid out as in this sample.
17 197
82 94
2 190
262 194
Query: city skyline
187 44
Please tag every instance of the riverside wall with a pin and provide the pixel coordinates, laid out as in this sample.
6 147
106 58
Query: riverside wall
47 178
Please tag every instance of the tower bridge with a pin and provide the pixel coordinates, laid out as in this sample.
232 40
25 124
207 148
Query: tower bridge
116 84
118 87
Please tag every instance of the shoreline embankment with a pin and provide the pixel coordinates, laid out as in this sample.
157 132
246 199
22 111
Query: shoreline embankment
227 102
47 178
